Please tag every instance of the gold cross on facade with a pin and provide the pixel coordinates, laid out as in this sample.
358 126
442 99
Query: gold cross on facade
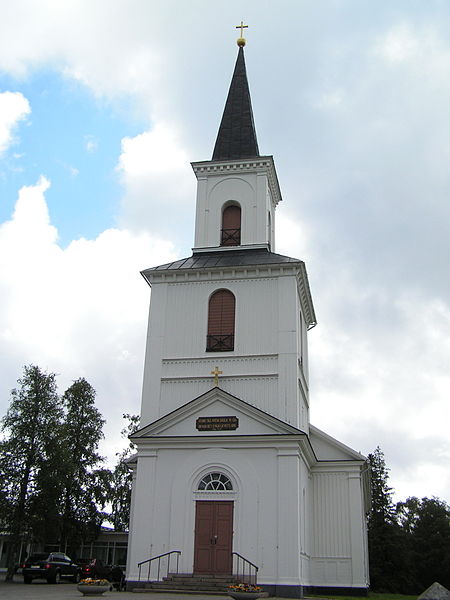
242 27
216 374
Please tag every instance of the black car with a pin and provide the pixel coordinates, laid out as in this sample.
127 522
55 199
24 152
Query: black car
52 566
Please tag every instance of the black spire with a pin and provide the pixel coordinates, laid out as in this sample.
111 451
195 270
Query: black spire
237 135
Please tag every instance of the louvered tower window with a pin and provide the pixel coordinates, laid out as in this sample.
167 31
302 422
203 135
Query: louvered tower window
231 226
221 311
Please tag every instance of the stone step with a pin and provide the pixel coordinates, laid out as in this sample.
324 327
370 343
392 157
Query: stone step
200 580
175 591
185 591
190 583
207 576
188 586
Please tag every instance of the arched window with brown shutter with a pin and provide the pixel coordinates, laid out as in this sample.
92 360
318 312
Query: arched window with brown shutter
221 312
231 226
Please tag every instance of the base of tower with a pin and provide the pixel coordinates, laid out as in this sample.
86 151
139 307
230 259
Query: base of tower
302 591
336 591
284 591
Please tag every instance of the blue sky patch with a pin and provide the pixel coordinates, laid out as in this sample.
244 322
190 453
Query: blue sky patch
73 139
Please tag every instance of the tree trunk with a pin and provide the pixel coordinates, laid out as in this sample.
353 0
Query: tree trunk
13 557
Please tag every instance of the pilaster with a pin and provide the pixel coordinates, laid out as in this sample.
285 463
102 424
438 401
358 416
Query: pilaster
142 523
288 518
357 531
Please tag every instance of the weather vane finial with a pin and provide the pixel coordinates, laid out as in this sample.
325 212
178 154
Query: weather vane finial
241 40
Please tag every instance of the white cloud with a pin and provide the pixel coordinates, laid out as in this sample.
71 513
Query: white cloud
291 237
152 153
73 40
78 311
382 378
331 99
159 186
399 44
91 143
14 107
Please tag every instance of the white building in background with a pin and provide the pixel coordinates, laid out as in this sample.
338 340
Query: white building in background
227 459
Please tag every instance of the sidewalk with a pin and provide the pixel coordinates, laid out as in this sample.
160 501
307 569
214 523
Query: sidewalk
41 590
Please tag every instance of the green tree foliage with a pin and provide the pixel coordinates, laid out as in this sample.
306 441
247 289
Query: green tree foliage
409 544
84 481
386 539
121 479
426 523
30 429
53 486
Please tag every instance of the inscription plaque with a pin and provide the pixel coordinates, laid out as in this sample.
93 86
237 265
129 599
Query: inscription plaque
217 423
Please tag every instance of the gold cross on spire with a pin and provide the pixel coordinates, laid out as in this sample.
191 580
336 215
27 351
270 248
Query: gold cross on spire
216 374
241 40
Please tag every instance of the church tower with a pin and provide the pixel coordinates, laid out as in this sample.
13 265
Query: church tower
228 465
234 303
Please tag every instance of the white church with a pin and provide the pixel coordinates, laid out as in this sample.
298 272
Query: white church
230 477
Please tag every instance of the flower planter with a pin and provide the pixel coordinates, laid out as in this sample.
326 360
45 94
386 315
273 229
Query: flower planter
243 595
92 590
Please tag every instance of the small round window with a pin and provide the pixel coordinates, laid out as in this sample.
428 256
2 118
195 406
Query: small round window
215 482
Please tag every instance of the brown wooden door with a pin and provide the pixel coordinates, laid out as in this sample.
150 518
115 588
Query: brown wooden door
213 537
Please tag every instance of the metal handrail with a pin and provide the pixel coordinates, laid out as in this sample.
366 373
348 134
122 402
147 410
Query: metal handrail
158 558
246 578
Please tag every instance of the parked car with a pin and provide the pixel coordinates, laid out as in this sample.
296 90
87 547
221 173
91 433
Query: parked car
52 566
95 568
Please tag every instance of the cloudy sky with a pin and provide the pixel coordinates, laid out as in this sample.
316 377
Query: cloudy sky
104 103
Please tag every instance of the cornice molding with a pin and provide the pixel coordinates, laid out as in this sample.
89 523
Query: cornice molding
335 467
261 164
283 442
206 378
225 359
237 272
304 293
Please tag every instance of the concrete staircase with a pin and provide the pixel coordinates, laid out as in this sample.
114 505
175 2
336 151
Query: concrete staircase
186 583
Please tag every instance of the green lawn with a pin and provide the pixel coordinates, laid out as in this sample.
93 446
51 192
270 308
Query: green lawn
371 596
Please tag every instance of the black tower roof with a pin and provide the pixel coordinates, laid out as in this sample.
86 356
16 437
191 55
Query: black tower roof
237 135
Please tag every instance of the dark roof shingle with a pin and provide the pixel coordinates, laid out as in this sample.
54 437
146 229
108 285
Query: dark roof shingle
231 258
236 138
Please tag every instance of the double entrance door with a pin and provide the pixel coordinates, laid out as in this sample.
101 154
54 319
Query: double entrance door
213 537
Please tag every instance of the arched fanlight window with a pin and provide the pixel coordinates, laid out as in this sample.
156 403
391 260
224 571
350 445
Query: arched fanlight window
221 312
215 482
231 226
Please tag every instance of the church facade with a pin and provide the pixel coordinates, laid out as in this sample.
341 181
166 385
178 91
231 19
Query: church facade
228 464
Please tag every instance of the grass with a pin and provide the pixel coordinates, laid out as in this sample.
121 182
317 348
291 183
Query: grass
371 596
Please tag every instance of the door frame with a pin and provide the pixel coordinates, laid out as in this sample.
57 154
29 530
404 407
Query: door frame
214 556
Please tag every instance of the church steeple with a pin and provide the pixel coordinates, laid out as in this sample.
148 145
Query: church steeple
238 189
236 138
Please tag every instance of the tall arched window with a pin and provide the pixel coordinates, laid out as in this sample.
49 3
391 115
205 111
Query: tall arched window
231 226
221 311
